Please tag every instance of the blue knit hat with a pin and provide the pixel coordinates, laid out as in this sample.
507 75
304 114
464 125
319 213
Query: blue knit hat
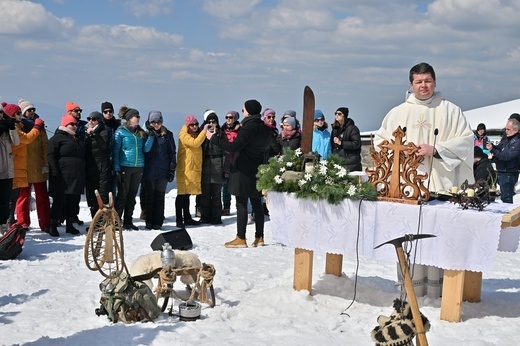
318 114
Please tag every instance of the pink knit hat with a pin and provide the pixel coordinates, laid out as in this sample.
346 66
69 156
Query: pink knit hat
190 119
10 109
67 119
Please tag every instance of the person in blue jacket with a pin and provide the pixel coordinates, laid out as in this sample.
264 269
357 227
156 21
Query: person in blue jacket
159 169
321 142
130 144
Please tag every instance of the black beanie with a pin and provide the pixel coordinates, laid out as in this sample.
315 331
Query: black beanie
130 113
478 152
106 105
343 110
253 107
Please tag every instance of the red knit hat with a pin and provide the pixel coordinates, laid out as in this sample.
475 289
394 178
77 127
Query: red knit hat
67 119
70 106
10 109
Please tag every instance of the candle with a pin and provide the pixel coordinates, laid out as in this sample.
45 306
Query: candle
454 189
309 167
470 192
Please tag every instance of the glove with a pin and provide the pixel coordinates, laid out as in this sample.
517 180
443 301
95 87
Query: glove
38 124
171 175
11 122
119 177
45 169
149 126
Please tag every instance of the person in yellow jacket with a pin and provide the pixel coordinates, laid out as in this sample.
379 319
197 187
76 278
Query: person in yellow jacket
189 169
20 154
37 173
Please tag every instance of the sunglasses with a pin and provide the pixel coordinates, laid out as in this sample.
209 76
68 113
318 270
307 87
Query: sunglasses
90 118
195 125
270 117
319 119
77 110
212 122
31 110
230 117
18 113
155 122
339 113
108 111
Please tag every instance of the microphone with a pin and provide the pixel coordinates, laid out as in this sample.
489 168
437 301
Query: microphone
435 133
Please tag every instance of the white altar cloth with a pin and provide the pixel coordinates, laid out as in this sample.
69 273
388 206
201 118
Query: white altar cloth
465 239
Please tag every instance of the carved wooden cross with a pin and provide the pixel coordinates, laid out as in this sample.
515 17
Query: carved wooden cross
397 146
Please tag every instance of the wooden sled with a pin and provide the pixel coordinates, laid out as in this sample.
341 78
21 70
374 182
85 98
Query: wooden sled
202 276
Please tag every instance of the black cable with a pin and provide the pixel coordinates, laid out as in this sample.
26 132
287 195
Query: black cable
357 260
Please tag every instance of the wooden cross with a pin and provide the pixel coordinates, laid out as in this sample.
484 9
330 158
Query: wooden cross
397 146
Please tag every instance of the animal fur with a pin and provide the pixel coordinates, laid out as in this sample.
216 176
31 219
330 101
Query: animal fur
147 263
399 328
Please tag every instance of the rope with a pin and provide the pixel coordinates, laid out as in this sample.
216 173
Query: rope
206 273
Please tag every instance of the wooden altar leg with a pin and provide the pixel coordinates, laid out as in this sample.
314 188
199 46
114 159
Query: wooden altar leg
472 286
334 264
452 289
303 270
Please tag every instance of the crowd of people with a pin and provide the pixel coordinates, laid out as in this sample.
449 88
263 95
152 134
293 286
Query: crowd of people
115 154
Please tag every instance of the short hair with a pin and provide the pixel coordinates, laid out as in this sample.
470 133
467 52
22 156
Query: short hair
422 68
515 124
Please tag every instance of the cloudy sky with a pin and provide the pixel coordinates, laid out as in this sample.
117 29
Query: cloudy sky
186 56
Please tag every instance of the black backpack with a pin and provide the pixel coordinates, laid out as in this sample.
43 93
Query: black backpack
11 243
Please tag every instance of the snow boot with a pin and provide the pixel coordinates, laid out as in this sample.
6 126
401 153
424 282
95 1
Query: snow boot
70 226
53 231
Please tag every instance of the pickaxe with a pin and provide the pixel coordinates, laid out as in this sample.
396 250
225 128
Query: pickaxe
408 285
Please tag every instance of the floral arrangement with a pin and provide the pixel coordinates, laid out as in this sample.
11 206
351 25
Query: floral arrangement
329 180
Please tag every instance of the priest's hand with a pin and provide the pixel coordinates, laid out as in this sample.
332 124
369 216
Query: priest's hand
426 150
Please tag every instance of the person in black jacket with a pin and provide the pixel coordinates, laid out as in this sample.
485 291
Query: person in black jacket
66 156
346 139
248 150
212 176
507 153
111 125
98 165
290 136
482 168
159 169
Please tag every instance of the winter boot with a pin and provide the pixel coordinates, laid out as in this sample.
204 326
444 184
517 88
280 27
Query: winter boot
69 228
258 242
53 231
237 242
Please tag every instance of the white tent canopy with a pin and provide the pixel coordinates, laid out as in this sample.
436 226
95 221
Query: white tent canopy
493 116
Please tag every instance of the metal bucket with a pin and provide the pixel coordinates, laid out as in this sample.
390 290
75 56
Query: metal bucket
189 311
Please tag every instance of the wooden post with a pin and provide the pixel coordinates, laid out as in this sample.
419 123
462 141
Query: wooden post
472 286
334 264
303 270
452 290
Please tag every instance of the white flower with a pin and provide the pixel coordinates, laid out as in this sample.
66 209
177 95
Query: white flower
314 188
282 169
280 159
289 164
338 167
278 179
301 182
329 181
299 152
342 172
307 176
352 190
323 170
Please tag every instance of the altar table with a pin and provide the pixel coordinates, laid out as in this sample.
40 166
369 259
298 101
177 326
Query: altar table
465 245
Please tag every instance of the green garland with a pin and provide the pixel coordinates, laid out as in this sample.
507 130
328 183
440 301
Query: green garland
328 181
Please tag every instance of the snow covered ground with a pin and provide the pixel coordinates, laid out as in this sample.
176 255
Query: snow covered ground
48 297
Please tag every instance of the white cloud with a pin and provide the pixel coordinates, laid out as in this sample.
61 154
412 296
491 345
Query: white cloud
229 9
149 8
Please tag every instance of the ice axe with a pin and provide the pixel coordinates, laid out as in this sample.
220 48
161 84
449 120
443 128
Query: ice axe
408 285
